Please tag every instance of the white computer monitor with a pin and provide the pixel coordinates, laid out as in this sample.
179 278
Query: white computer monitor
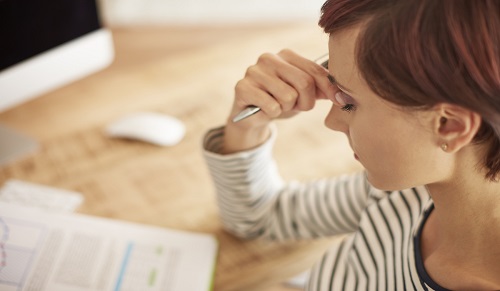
45 44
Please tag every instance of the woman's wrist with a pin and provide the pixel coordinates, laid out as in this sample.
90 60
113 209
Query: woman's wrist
237 139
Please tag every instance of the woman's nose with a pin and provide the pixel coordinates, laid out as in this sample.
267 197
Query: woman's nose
336 120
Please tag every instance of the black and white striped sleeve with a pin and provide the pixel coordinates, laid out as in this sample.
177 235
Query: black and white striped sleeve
254 201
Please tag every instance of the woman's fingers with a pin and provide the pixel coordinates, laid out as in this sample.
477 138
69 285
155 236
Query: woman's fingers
268 79
281 84
251 93
315 84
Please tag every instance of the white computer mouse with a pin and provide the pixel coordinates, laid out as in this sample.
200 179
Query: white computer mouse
155 128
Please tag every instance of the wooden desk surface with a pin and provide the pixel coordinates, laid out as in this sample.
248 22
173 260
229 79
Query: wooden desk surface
187 72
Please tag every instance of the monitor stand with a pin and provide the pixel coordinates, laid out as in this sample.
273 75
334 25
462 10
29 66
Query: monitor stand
14 145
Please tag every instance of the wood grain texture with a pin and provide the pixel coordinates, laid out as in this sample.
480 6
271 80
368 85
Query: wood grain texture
190 73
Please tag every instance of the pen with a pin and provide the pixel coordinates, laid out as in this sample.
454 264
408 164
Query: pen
252 109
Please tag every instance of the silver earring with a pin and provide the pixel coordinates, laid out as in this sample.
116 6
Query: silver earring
444 147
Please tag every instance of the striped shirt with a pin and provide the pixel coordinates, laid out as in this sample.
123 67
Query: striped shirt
381 250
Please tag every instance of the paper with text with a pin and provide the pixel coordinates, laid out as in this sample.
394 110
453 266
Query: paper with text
40 250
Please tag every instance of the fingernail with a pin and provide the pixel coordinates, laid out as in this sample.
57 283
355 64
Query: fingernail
339 99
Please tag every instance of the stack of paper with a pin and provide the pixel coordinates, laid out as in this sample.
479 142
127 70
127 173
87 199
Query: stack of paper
42 250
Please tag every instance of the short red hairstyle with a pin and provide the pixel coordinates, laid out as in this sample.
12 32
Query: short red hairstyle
418 53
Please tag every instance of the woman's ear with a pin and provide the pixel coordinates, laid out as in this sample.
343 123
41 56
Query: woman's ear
455 126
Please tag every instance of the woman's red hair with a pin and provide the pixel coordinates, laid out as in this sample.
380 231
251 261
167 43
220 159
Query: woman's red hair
419 53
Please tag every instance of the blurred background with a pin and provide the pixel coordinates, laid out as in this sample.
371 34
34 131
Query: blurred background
147 12
181 58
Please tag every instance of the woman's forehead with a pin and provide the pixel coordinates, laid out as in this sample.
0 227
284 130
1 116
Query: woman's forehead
342 47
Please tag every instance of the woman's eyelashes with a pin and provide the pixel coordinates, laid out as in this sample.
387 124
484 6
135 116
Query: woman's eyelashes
344 100
348 107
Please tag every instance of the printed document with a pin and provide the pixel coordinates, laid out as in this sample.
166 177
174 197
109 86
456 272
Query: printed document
42 250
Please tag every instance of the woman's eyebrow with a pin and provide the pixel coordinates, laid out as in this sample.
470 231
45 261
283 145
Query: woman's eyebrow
343 88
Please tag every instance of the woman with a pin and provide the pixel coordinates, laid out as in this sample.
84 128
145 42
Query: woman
415 86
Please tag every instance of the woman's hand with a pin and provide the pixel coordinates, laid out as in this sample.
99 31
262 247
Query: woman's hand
281 85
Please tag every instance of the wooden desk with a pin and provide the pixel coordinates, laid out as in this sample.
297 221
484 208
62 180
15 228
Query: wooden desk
187 72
